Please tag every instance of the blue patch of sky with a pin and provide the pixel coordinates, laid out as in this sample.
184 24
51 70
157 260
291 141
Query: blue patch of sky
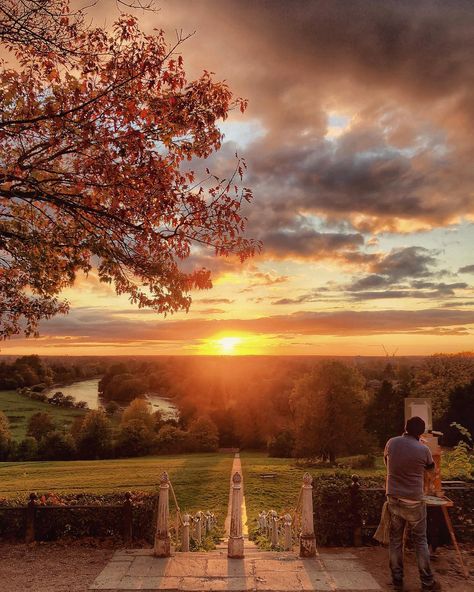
338 120
242 133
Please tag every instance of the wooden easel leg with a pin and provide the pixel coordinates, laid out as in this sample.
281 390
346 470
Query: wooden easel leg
453 538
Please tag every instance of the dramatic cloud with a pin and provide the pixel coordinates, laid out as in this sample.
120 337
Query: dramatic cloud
95 325
440 291
367 106
309 243
409 262
401 265
467 269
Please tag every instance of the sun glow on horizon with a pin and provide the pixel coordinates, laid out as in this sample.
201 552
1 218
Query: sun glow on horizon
232 345
227 345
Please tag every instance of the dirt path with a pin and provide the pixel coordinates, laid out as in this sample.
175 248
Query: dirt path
50 567
445 567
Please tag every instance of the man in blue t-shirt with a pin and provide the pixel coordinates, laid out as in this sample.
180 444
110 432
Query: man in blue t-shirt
407 459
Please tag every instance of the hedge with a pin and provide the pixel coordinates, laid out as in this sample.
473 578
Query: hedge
336 515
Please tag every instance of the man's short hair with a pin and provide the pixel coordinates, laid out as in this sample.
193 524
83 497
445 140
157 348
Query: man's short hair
415 426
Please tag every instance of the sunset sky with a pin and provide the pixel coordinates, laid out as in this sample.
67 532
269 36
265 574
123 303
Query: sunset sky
359 140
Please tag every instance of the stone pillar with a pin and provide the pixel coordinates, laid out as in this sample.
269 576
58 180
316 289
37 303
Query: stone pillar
198 520
287 537
162 536
273 528
185 533
307 538
235 547
356 511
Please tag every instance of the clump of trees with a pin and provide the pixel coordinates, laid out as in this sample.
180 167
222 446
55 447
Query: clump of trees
135 431
33 374
328 412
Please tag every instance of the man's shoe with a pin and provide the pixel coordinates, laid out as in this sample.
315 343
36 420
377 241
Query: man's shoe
434 587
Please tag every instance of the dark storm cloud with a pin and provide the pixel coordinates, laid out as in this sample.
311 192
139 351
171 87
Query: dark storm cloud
467 269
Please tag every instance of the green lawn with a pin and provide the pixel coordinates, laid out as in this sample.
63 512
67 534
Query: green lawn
280 493
200 481
19 409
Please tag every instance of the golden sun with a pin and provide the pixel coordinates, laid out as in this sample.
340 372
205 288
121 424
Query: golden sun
227 345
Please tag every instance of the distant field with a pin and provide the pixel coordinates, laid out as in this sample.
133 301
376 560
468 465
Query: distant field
200 481
19 409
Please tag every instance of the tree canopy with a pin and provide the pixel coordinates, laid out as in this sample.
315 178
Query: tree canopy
100 135
328 406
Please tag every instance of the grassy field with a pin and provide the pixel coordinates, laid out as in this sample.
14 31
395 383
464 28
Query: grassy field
19 409
280 493
200 481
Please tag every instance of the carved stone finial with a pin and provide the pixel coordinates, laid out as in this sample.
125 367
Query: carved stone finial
164 479
237 479
307 479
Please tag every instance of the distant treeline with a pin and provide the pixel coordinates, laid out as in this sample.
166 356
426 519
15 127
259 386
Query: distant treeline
33 371
303 406
300 406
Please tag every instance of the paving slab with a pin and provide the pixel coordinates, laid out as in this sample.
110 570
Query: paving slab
213 571
354 580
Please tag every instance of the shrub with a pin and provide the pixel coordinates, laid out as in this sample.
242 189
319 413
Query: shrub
94 438
111 408
171 439
27 449
57 446
38 388
135 438
282 445
5 437
203 435
458 463
141 410
40 424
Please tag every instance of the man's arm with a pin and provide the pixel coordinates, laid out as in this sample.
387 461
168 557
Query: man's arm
429 466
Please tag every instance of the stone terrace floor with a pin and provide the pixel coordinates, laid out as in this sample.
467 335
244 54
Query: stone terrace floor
265 571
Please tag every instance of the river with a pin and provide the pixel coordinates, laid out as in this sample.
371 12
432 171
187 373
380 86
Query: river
88 391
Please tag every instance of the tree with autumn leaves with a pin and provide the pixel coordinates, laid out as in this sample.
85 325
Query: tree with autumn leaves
100 136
